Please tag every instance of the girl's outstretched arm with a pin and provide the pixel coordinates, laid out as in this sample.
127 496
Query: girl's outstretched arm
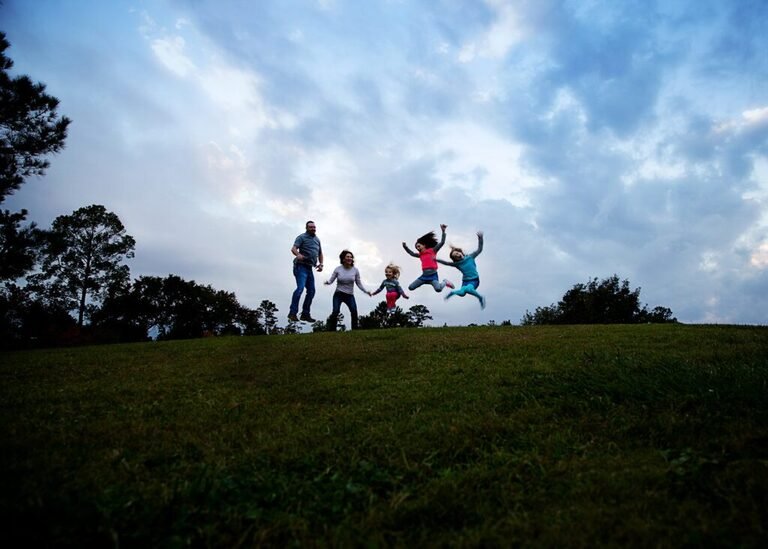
444 262
442 238
479 244
407 249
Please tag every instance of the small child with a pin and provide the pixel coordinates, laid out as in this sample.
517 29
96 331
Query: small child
466 264
392 286
427 248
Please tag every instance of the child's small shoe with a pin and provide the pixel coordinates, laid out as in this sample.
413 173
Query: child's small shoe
448 283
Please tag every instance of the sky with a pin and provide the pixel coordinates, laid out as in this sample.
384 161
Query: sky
584 138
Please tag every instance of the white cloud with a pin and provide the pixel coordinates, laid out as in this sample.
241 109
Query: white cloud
754 117
709 262
500 37
170 52
759 257
235 92
750 119
482 162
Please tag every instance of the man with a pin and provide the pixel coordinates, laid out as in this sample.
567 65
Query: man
308 254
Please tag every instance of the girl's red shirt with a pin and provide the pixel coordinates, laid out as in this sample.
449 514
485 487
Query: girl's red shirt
428 258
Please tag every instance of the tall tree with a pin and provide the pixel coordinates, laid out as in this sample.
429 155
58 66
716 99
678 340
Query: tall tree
82 257
30 127
268 311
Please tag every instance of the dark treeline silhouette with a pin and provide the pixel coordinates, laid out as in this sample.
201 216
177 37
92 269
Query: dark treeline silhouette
380 318
608 301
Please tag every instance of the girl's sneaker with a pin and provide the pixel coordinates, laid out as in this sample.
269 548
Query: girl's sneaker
448 283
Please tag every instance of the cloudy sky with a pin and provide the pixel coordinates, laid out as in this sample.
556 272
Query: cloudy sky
585 138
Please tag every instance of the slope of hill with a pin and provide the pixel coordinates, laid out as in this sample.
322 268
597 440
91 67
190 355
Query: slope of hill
571 435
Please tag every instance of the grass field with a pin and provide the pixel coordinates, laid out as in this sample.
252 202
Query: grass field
649 435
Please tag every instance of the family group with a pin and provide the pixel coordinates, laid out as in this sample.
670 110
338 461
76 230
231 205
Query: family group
308 255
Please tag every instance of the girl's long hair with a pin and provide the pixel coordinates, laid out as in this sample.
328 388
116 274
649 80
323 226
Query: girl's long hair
428 240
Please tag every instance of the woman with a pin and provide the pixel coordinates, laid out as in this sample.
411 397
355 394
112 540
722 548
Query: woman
346 276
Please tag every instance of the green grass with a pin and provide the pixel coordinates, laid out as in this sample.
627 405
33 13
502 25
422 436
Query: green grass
651 435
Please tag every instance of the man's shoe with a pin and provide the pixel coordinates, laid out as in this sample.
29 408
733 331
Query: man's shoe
306 318
293 317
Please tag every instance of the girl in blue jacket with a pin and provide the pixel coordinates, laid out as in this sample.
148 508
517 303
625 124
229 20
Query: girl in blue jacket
466 264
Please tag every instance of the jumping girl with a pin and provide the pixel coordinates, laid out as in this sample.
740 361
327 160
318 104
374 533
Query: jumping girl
466 264
392 286
427 248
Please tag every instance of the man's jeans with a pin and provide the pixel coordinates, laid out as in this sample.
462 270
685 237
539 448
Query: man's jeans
305 278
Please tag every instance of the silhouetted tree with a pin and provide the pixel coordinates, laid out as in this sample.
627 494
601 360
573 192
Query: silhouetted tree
658 315
250 320
380 317
377 318
121 317
27 321
292 328
268 311
30 128
608 301
82 257
176 309
222 312
335 325
417 315
319 326
18 245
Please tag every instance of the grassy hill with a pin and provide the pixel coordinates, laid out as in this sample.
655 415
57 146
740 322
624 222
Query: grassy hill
649 435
